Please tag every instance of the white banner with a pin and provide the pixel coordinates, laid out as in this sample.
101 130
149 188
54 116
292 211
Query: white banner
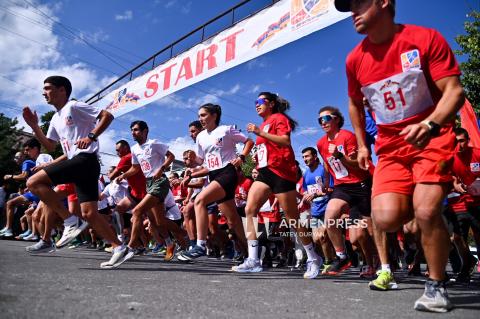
282 23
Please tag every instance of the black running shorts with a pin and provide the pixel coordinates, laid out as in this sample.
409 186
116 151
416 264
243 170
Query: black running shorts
83 170
357 195
277 184
227 178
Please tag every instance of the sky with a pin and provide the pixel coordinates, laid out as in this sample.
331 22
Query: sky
93 42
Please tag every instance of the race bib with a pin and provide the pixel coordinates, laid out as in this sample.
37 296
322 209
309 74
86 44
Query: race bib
214 161
399 97
262 155
337 167
145 165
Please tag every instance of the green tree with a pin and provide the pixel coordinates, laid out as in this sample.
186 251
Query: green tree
44 124
9 144
470 47
248 166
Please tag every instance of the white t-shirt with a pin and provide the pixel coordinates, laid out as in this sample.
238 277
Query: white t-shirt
43 159
104 202
117 191
150 156
217 148
171 208
73 122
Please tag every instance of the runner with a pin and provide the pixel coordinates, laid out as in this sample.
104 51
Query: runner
74 126
351 193
278 175
415 93
34 159
216 148
153 159
317 186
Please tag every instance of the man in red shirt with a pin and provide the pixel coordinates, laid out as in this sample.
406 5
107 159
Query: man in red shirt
136 182
411 81
466 182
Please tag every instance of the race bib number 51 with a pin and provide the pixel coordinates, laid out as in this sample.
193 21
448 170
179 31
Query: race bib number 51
399 97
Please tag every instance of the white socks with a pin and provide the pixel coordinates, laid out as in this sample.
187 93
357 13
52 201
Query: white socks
253 249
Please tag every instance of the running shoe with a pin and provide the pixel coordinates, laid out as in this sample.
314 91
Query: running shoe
7 233
117 259
131 252
326 267
70 233
192 254
367 272
3 230
24 234
170 252
74 244
435 298
338 265
108 249
31 237
313 268
41 247
249 265
384 281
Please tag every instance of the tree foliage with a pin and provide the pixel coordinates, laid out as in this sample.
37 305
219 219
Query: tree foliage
470 47
9 144
44 124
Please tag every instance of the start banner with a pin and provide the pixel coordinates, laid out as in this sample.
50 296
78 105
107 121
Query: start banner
271 28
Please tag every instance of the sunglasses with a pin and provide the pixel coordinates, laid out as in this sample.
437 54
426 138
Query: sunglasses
260 101
325 119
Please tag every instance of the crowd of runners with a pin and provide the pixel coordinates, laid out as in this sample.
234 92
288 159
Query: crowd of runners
419 203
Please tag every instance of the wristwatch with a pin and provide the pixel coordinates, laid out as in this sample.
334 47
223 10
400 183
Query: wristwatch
92 136
242 157
433 127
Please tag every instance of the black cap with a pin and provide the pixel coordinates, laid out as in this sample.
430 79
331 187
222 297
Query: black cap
343 5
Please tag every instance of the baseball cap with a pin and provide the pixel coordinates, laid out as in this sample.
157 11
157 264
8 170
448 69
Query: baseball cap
344 5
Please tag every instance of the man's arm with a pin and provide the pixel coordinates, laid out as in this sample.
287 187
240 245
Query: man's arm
450 103
31 119
132 171
357 117
104 120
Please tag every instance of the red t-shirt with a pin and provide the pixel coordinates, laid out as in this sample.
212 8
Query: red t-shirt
466 166
398 78
279 159
347 144
179 192
242 189
136 182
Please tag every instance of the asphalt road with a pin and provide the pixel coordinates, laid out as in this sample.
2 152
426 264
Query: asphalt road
70 284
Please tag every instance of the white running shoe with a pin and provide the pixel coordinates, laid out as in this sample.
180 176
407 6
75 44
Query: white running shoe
31 237
313 268
249 265
70 233
41 247
7 233
118 257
